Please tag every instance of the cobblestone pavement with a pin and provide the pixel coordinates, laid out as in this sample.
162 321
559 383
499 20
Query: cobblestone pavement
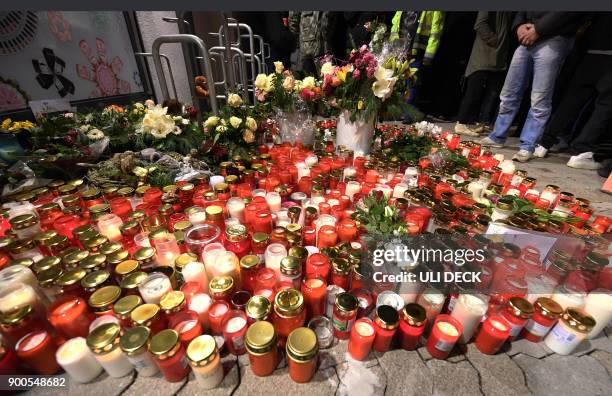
523 368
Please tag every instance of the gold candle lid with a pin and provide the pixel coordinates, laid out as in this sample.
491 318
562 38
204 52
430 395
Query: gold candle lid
95 279
126 267
260 237
81 230
214 212
250 261
24 261
202 350
142 314
387 317
104 296
288 302
104 337
260 338
96 211
93 261
43 238
290 266
172 301
183 259
302 344
94 243
548 307
236 233
45 263
70 278
117 257
221 284
346 302
14 317
164 344
137 216
131 281
144 254
298 252
520 307
23 221
414 314
74 258
125 305
71 201
341 266
258 307
91 193
135 340
125 192
50 276
578 319
110 247
221 188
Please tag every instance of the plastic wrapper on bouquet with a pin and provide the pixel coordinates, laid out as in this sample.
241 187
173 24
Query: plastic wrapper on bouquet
297 125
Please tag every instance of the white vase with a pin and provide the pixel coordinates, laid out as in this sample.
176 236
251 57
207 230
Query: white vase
357 135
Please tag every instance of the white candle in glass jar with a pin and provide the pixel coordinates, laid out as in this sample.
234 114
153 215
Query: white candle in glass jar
507 167
78 361
216 179
18 274
349 171
200 303
598 304
275 252
352 187
209 256
469 310
166 250
567 297
227 263
311 160
273 199
196 272
115 363
258 192
235 207
14 296
303 170
109 225
197 215
475 188
153 287
569 331
399 190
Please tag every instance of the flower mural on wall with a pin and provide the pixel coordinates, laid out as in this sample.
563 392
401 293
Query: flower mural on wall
12 97
101 72
59 26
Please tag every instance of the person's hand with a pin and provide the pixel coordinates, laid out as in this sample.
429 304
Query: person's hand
522 31
530 37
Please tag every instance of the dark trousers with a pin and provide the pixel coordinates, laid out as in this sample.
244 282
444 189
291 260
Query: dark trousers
593 78
481 96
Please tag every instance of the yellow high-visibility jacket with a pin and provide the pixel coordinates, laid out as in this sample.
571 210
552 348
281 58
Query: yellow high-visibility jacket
429 31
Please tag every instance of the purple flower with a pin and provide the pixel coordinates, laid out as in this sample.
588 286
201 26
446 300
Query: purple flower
370 71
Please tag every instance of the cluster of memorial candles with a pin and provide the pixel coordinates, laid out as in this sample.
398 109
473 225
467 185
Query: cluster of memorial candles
265 257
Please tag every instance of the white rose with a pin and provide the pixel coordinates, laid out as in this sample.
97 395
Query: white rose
211 121
251 124
278 67
235 121
158 134
383 86
308 82
289 83
234 100
327 68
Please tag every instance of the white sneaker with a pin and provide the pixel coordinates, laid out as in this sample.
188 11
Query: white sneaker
460 128
522 156
583 161
540 151
487 141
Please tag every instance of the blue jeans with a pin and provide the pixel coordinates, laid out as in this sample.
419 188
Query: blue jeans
543 60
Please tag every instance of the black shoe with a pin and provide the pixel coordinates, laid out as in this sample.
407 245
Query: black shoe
605 169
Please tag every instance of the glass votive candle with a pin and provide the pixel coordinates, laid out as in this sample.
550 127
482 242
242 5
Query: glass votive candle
70 316
571 329
38 349
361 339
302 354
153 287
468 311
169 355
274 254
412 325
234 329
134 343
187 324
445 333
323 329
216 314
196 273
205 362
492 335
261 343
104 343
109 225
75 357
196 215
200 236
167 249
201 303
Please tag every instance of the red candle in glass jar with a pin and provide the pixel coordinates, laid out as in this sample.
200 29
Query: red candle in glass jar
250 265
517 312
152 196
345 313
318 265
37 350
187 324
385 324
234 328
70 317
492 335
309 235
216 314
347 230
169 355
327 236
121 207
341 270
546 313
361 339
16 324
445 332
262 222
265 292
9 362
266 279
412 325
314 291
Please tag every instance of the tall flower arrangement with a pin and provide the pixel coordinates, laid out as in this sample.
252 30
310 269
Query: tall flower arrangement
366 87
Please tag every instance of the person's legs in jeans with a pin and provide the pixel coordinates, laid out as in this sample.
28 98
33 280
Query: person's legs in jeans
580 90
511 95
475 84
548 57
600 121
490 99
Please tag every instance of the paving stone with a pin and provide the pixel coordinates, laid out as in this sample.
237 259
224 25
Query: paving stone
601 343
228 385
534 349
104 385
396 364
604 358
154 386
499 375
358 379
338 354
324 383
565 375
455 356
453 378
